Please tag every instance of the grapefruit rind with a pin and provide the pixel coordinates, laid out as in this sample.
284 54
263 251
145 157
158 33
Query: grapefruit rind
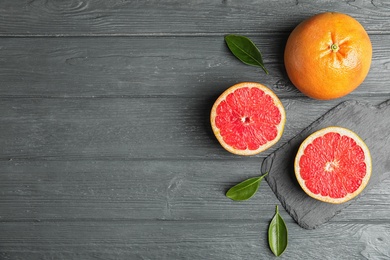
277 103
322 132
312 61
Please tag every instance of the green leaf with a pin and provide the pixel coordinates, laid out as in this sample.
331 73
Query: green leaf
277 234
246 189
245 50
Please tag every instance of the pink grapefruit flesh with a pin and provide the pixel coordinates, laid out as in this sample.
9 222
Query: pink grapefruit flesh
333 165
247 118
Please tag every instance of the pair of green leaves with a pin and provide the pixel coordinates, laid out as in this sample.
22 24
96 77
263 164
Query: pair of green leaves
245 50
277 231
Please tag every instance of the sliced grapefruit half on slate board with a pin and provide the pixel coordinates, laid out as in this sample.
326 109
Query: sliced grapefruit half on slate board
371 123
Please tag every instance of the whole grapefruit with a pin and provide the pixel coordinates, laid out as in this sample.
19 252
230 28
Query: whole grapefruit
328 55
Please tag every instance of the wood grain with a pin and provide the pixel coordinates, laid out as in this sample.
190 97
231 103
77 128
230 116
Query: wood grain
174 17
178 239
46 191
200 67
123 128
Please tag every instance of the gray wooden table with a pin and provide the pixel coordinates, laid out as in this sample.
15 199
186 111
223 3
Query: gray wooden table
105 144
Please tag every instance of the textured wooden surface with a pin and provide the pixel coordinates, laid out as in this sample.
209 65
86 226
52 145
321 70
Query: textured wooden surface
106 151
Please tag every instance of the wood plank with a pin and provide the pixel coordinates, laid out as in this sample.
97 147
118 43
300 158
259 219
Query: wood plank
203 17
188 239
47 191
199 67
36 190
127 128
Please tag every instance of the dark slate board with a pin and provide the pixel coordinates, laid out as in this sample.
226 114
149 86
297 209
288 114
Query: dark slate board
371 123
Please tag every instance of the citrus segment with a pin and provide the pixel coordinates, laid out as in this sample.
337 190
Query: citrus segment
247 118
328 55
333 165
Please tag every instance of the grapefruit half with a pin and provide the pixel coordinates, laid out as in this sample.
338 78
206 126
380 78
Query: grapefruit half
247 118
333 165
